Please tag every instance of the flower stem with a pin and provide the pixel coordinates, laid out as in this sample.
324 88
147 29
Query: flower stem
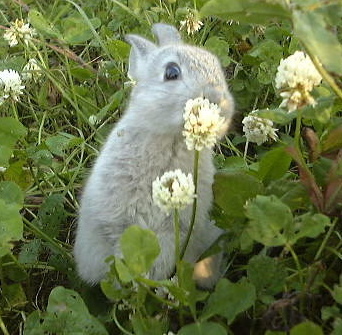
296 260
3 327
298 128
177 239
194 205
326 238
14 110
245 152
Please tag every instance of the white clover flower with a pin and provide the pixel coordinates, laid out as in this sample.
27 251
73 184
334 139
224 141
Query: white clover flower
296 77
19 30
191 22
173 190
31 70
258 129
203 124
93 120
10 85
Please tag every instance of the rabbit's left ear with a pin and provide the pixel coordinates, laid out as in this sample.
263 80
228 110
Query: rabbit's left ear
166 34
140 50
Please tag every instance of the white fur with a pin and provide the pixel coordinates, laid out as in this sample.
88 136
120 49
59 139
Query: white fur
144 144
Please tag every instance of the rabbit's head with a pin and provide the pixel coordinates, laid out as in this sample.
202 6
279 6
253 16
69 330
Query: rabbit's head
168 74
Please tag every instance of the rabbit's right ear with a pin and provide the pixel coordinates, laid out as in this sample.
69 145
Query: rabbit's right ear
166 34
140 49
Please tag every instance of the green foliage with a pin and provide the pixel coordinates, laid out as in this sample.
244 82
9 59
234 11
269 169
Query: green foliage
203 328
139 248
66 313
229 299
279 204
11 226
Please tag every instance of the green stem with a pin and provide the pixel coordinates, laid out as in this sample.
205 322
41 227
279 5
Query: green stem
14 110
296 260
3 327
194 206
326 76
245 152
298 128
326 238
177 239
124 331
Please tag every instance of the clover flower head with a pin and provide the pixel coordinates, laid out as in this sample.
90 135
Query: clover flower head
296 77
173 190
258 129
10 85
191 23
203 124
19 30
31 70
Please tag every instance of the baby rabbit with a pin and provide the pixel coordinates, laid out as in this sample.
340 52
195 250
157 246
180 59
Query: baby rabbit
144 144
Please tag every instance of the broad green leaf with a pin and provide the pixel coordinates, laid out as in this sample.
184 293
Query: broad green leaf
203 328
51 215
118 49
246 11
76 29
337 292
5 155
66 314
290 192
33 324
220 48
123 271
270 220
267 274
139 248
328 312
274 164
233 164
306 328
147 325
14 295
11 193
59 143
18 173
41 157
30 251
277 115
233 189
11 131
229 299
337 326
11 225
311 28
81 73
42 25
309 225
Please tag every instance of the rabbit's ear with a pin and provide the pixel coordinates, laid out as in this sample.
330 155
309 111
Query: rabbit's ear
166 34
140 49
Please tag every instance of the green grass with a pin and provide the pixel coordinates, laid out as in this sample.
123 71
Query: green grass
283 222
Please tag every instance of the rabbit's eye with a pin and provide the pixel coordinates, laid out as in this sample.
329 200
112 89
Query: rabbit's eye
172 71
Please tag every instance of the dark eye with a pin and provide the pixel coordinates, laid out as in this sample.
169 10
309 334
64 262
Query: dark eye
172 71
